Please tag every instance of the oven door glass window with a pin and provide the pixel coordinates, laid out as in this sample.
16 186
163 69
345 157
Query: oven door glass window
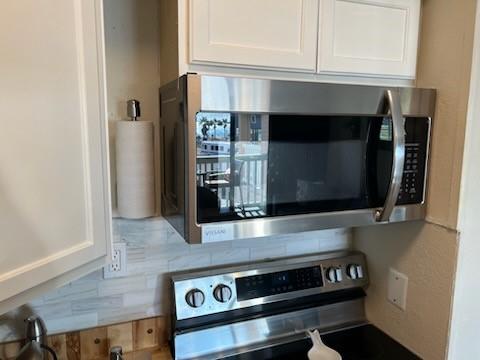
260 165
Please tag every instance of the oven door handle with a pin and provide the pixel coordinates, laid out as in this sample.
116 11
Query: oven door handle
398 135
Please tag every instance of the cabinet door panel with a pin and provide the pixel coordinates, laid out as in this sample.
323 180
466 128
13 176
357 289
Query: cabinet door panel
54 195
267 33
377 37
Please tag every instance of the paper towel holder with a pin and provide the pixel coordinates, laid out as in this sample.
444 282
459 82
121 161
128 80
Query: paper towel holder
133 109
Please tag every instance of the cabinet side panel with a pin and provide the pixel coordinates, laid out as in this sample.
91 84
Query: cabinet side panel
169 33
444 63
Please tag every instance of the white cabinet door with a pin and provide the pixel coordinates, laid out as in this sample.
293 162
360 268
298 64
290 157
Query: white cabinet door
369 37
278 34
54 189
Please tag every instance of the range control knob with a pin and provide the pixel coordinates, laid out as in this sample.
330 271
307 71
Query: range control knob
195 298
222 293
355 271
334 274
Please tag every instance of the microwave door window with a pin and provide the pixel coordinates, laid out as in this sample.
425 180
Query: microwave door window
261 165
316 177
316 164
232 152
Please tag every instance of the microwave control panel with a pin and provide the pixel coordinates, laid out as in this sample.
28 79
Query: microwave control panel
416 145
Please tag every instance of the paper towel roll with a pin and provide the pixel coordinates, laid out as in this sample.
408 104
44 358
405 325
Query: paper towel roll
135 169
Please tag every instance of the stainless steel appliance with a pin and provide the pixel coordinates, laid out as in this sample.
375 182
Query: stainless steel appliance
262 311
35 347
248 157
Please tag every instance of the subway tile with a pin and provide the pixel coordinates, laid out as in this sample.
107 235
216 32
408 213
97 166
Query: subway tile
98 303
160 309
190 261
166 252
173 237
210 247
121 285
145 297
125 226
268 252
152 266
74 291
230 256
252 243
321 234
93 276
146 239
136 261
68 323
54 310
136 254
36 302
158 281
335 243
304 246
110 316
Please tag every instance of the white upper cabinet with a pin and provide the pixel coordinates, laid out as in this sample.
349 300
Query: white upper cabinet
275 34
54 189
370 37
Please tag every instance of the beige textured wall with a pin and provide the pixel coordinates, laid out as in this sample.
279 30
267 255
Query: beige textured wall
132 63
132 56
168 15
427 254
427 251
444 62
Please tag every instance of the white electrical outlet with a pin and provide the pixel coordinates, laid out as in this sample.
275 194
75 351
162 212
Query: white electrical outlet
118 266
397 289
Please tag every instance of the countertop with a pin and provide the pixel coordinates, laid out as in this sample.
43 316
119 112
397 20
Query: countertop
163 353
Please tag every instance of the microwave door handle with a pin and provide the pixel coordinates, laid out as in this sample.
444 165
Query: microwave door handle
398 135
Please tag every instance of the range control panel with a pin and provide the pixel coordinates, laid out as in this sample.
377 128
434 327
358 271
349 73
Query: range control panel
251 287
416 143
209 292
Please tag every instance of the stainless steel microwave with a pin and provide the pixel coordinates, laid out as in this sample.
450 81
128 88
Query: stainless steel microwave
244 158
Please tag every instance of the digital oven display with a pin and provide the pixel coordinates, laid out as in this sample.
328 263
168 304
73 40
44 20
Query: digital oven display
280 279
257 286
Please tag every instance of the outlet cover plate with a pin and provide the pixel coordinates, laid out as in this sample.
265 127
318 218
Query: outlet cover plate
118 265
397 289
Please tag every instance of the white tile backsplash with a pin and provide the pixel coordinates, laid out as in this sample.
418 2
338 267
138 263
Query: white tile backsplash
64 324
267 251
154 250
230 256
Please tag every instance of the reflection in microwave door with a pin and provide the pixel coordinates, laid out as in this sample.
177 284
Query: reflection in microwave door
312 190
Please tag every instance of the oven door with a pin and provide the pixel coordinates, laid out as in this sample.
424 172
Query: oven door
263 169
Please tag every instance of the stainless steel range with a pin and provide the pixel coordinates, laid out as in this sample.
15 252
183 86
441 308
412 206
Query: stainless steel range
263 310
